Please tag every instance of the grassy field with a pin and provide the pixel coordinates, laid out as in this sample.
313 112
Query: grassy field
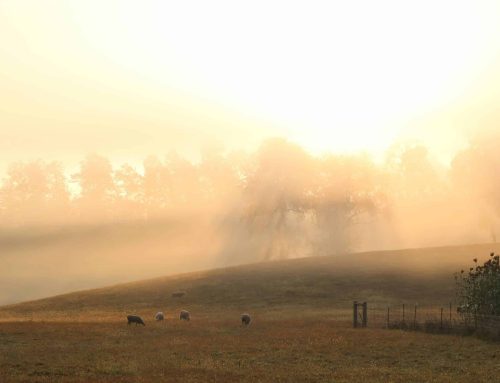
300 330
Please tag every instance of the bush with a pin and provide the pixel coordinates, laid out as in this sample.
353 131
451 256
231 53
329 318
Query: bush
478 290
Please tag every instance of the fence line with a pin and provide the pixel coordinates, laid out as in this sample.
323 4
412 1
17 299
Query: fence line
430 318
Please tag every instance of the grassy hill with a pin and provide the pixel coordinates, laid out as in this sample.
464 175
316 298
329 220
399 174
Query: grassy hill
412 275
295 335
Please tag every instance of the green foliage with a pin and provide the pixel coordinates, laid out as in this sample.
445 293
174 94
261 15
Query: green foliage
479 288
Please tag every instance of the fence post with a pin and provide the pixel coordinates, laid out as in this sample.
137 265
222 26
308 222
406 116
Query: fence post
388 318
441 325
450 314
365 314
355 314
415 317
403 313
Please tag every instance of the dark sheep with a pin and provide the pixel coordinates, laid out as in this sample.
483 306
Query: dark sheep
135 319
159 316
185 315
178 294
245 319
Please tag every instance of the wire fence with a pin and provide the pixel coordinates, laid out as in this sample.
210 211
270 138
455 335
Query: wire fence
385 316
429 318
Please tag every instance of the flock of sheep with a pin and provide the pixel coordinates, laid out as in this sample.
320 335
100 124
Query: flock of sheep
184 315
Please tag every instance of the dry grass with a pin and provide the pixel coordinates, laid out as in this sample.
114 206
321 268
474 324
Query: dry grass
300 330
213 349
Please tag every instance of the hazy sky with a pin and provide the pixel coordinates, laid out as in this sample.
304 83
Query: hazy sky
131 78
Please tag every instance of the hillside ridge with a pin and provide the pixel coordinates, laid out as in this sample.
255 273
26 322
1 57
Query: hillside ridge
424 274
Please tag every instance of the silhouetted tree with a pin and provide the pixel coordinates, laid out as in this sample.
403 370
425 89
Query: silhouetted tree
34 193
185 183
474 173
98 192
413 175
276 195
219 180
130 193
157 187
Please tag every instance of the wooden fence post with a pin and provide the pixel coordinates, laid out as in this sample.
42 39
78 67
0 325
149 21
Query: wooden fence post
450 314
441 325
415 317
403 313
388 316
355 314
365 314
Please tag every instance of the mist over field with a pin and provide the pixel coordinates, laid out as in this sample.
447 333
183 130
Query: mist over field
265 191
111 222
140 139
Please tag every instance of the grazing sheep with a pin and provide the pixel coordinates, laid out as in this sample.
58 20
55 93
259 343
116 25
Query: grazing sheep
135 319
178 294
159 316
185 315
245 319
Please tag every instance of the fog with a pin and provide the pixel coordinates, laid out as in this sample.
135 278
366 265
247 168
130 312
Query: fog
107 223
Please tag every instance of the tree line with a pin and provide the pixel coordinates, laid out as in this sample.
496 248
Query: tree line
277 191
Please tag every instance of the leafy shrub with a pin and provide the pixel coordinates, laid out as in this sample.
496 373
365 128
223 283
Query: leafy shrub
479 289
